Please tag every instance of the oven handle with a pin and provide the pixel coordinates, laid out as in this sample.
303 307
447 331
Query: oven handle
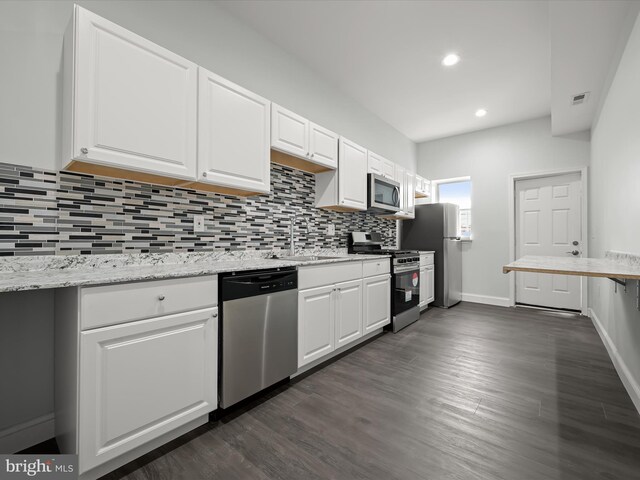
408 268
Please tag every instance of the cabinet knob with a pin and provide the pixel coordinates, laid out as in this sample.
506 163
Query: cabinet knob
84 150
161 297
204 174
312 155
214 315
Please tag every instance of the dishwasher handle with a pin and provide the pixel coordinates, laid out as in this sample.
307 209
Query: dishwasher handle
257 283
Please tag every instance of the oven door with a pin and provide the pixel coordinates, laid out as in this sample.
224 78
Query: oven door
406 288
384 194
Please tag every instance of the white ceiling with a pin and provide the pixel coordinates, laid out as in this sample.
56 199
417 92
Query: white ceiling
519 58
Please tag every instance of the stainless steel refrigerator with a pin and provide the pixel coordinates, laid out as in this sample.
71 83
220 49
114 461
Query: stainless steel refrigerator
436 227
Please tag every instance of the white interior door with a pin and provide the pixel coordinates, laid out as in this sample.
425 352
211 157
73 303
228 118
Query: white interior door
549 223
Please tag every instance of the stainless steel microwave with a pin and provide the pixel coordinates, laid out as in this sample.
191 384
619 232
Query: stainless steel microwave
383 194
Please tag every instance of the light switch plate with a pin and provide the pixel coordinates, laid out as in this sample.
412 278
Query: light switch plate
331 229
198 223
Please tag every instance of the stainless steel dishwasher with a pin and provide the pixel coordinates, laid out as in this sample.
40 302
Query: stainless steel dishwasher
259 331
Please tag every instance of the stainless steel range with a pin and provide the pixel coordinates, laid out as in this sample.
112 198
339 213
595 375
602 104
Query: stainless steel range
405 276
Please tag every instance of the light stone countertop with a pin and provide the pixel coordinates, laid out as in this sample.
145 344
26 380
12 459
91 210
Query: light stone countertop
58 271
614 265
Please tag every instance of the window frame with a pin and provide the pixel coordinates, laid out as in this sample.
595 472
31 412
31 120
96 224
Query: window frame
435 194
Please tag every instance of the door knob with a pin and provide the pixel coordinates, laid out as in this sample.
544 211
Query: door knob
575 253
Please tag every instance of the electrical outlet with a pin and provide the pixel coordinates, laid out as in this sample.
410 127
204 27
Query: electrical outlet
198 223
331 229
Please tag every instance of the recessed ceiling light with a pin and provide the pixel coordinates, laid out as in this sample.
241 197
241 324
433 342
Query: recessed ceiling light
450 60
481 112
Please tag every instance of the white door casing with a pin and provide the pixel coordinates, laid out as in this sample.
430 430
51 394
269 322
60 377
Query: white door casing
548 220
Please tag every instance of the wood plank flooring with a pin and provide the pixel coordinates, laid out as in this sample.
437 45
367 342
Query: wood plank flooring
471 393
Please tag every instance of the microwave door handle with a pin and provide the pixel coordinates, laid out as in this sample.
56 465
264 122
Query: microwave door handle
396 196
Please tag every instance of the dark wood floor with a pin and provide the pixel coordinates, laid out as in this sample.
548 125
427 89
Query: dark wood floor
475 392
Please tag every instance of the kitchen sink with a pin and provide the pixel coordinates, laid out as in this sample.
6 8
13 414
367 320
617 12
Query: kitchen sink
306 258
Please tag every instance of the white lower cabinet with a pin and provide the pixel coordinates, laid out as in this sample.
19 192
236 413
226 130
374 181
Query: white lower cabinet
336 315
142 379
348 324
316 312
128 386
431 282
427 288
376 302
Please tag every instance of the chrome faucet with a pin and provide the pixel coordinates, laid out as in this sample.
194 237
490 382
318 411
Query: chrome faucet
292 245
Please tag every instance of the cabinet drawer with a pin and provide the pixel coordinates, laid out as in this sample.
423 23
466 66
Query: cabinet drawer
124 302
320 275
426 259
371 268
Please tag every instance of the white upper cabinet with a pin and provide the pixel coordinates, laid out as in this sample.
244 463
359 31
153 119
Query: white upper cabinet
423 187
352 177
380 166
323 146
233 136
374 163
289 132
344 189
400 177
388 169
128 103
294 135
410 191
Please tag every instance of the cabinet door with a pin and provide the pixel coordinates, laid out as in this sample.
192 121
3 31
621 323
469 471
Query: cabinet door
233 143
142 379
348 312
374 163
388 168
400 177
352 175
410 189
316 312
323 146
134 102
376 303
424 294
430 284
289 132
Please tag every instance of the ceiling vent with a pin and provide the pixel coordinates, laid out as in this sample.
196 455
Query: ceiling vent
579 98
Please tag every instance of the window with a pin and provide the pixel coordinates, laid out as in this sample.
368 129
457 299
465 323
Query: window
458 191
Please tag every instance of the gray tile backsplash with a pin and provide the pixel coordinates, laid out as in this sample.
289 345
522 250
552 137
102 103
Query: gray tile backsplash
45 212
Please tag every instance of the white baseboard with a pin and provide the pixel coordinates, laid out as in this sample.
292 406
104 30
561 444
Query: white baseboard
486 299
628 380
27 434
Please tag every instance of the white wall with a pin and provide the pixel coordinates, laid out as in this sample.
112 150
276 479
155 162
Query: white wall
31 48
614 194
489 157
26 366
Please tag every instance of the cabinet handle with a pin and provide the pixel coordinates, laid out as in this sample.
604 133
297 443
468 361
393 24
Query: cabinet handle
84 150
161 297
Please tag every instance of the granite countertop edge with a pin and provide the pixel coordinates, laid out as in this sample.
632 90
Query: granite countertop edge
43 278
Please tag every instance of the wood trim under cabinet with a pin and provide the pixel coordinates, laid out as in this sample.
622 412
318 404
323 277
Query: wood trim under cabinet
123 174
282 158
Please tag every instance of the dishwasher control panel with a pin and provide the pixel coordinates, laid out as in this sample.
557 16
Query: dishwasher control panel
258 282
